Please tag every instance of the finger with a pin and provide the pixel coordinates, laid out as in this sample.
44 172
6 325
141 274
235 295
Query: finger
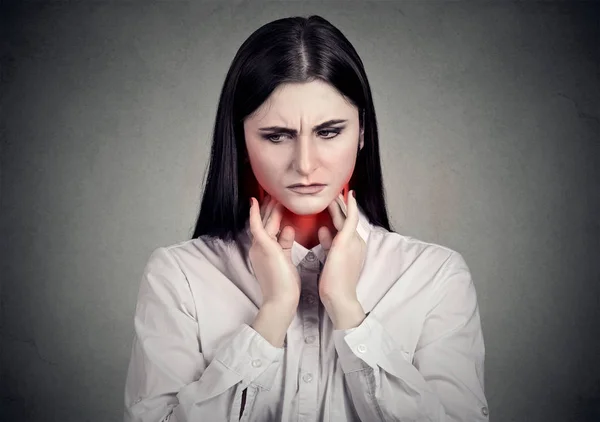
352 216
325 238
286 240
263 206
256 228
342 203
269 210
273 220
337 215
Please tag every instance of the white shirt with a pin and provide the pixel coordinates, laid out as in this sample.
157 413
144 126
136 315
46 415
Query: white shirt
418 355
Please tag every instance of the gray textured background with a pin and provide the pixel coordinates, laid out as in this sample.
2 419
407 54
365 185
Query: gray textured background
489 123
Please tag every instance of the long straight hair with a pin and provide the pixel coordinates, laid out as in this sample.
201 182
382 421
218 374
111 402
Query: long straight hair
289 50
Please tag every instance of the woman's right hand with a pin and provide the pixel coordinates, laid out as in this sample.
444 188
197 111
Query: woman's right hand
270 256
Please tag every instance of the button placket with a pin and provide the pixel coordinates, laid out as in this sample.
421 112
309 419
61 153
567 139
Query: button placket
311 263
310 357
309 339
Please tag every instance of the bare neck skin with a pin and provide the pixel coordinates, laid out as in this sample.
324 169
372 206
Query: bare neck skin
307 226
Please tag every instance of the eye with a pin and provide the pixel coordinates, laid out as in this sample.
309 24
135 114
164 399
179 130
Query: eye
335 131
274 138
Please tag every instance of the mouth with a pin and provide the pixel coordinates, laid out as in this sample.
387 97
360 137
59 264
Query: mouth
307 189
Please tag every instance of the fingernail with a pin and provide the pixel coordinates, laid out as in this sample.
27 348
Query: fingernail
250 202
353 194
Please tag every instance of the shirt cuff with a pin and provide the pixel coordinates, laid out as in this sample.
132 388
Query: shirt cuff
252 357
363 346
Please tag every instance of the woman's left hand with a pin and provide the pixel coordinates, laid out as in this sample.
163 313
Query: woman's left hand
345 255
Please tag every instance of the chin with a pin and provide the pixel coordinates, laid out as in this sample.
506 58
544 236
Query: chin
307 205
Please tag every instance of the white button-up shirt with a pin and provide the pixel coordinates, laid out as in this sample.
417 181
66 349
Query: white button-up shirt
417 356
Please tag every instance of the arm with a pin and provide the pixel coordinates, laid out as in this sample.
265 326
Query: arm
167 378
446 382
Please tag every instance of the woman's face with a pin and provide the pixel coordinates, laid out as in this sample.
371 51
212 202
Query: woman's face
308 152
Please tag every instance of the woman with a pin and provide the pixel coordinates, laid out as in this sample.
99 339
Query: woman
302 305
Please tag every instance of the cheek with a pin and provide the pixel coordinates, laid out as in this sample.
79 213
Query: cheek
265 171
261 167
342 164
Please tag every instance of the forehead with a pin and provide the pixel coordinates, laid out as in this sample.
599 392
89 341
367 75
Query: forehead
311 101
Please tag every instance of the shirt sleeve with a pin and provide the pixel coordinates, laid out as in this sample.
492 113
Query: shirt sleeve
444 381
168 378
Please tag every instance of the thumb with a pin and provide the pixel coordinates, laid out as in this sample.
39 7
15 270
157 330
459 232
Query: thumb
325 239
286 240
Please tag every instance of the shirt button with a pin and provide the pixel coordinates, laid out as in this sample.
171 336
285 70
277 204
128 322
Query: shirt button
485 411
309 339
256 363
361 348
307 378
310 256
139 399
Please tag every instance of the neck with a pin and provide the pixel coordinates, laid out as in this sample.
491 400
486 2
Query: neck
307 226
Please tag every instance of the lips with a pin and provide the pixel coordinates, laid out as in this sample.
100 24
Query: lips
300 185
307 190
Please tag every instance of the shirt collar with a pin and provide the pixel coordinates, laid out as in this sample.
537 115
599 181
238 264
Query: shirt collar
299 252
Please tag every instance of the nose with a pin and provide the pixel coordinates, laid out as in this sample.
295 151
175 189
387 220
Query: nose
306 157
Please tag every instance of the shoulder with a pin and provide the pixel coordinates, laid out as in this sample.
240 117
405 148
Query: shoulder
448 267
411 249
193 252
204 259
426 264
441 271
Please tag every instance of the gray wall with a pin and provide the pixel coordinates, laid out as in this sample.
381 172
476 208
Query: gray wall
489 122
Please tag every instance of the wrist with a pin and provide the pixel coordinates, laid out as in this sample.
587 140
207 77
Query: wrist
282 308
345 314
272 322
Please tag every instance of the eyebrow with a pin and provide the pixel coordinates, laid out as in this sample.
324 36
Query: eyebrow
294 132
